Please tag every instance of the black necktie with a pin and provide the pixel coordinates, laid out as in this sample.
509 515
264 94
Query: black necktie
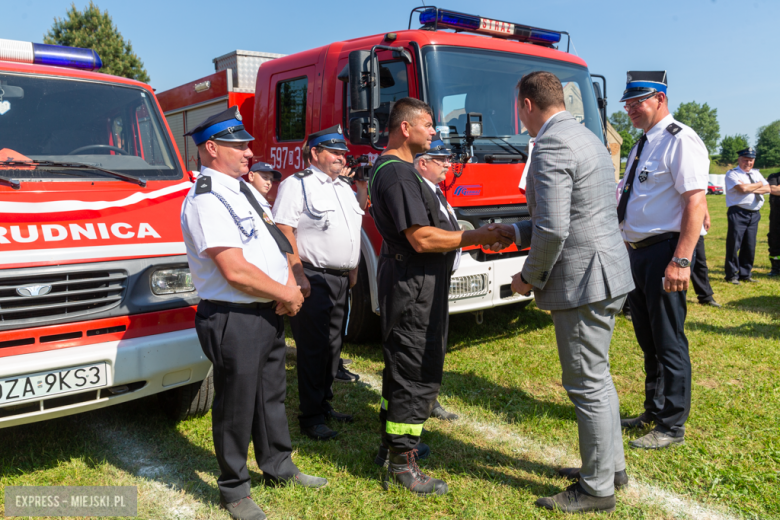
453 222
621 210
276 233
760 197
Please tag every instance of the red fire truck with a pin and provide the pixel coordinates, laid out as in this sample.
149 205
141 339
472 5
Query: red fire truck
468 77
96 301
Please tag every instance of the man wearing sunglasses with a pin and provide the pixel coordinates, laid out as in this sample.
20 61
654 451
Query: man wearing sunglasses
661 210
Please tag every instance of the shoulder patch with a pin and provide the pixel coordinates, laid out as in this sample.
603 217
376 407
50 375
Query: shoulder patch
303 173
674 129
203 185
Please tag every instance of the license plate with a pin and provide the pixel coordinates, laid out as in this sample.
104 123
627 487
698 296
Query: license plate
43 384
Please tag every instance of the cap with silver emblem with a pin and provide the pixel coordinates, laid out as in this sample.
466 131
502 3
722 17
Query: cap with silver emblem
643 83
265 167
437 149
331 138
748 152
225 126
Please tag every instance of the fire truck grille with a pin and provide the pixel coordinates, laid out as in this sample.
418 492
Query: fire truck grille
40 299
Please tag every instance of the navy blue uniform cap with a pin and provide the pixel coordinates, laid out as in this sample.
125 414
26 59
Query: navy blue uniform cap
642 83
437 149
225 126
265 167
331 138
748 152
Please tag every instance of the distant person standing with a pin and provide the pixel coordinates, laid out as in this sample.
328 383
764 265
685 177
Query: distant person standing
774 223
745 189
700 274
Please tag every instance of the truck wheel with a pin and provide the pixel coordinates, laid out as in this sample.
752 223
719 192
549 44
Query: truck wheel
193 400
363 322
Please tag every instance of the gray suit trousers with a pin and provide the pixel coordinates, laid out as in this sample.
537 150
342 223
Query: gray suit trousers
583 335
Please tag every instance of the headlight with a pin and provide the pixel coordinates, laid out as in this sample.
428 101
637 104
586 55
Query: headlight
172 281
465 225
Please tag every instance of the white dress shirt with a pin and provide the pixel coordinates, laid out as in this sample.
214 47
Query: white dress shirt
445 213
749 201
670 164
207 223
328 230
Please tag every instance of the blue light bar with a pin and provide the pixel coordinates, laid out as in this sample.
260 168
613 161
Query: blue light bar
44 54
477 24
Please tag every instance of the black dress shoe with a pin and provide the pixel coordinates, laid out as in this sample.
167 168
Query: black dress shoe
345 376
244 509
340 417
440 413
423 452
735 281
711 303
636 422
749 279
621 477
574 499
318 432
300 479
656 440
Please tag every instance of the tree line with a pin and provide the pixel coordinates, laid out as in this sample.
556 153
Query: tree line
704 121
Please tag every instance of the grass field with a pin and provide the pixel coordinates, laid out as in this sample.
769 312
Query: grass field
516 427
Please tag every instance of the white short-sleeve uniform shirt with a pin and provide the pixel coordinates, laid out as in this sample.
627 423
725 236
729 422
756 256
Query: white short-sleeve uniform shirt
206 222
670 165
749 201
327 220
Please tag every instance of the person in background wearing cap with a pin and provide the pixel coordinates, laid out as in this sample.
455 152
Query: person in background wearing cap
321 215
413 277
661 212
745 189
262 177
239 264
773 237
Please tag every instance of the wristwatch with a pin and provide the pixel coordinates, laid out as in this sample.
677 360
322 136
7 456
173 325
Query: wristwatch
681 262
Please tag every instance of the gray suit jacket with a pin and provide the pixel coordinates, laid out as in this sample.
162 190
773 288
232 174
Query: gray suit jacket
577 253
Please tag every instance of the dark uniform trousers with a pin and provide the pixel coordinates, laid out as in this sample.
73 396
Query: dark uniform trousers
414 311
741 242
318 331
247 350
773 237
700 274
659 323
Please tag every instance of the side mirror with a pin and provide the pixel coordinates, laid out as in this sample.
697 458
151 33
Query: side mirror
361 132
363 86
599 98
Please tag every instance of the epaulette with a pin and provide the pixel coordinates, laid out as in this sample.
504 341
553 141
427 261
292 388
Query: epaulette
674 129
303 173
202 185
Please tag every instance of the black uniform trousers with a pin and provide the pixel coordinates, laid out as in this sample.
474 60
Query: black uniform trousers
741 242
318 329
700 274
659 325
246 348
773 237
414 313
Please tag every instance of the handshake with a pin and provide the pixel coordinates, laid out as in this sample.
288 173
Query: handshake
495 236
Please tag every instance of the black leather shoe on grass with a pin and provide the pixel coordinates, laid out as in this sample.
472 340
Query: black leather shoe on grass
735 281
440 413
656 440
319 432
621 477
340 417
574 499
402 471
244 509
345 376
711 303
423 452
636 422
300 479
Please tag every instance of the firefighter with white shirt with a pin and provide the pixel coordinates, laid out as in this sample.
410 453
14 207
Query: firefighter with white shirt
321 215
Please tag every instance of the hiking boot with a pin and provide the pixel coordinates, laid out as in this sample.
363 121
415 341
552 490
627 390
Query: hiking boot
318 432
340 417
439 412
655 440
636 422
300 479
775 267
244 509
621 477
403 471
423 452
574 499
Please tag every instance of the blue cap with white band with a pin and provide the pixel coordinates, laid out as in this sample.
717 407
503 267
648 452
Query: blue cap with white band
643 83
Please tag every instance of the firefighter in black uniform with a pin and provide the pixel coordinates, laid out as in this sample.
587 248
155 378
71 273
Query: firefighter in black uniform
418 252
773 237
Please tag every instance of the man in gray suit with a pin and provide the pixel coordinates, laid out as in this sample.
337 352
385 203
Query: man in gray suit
578 269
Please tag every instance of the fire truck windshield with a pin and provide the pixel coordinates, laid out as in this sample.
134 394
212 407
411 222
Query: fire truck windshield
58 121
461 80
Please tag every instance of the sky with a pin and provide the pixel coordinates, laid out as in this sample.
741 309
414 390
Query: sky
720 52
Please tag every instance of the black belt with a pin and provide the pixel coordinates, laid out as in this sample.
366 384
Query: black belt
653 240
326 270
253 305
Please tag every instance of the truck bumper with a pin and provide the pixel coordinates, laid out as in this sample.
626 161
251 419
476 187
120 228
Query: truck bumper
135 368
472 275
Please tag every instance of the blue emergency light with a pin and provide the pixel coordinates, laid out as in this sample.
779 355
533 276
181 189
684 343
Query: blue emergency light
434 18
45 54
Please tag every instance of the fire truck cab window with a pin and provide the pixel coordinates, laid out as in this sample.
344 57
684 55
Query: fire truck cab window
393 85
96 124
291 109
